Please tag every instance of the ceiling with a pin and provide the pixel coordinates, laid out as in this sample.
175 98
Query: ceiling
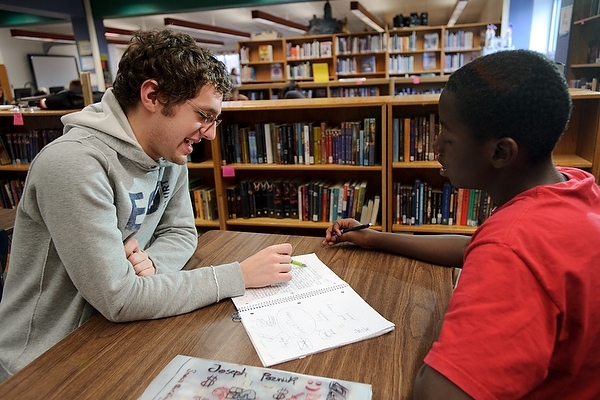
238 17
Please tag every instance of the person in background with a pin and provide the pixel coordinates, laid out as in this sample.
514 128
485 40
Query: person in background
69 99
234 76
524 318
291 90
105 223
4 101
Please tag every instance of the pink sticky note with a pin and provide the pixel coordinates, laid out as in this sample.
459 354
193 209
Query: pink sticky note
416 80
17 119
228 171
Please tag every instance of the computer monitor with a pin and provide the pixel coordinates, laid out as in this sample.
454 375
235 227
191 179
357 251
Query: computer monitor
23 92
56 89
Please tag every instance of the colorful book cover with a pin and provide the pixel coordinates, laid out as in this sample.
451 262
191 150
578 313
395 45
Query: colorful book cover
196 378
368 64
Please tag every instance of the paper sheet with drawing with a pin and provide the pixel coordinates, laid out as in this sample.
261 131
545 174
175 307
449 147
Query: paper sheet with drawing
314 312
197 378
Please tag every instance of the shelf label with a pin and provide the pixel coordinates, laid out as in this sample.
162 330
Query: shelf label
17 119
228 171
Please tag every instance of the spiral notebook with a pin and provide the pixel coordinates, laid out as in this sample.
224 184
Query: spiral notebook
314 312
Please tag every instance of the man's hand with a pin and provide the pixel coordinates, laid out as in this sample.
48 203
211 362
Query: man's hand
268 266
142 265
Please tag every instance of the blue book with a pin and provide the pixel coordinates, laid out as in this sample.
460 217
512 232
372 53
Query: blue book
446 191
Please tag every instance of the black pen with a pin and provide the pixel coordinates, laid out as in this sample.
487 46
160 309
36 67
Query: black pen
354 228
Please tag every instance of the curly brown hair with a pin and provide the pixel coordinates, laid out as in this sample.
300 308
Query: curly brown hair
175 61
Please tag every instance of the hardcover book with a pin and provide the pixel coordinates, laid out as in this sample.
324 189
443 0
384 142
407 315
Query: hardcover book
276 72
265 52
368 64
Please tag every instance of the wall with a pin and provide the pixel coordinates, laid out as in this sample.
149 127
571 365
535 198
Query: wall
14 57
520 16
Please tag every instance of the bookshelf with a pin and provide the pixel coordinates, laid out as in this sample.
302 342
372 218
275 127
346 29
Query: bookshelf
287 117
579 147
415 60
584 45
259 58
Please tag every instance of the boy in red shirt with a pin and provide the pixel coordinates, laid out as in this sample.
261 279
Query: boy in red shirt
525 320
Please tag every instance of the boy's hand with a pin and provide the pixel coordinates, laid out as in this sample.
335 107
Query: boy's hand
334 235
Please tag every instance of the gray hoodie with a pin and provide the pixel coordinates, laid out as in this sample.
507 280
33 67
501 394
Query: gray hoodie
84 194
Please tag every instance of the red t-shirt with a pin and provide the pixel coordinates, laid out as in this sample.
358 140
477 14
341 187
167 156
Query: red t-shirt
524 320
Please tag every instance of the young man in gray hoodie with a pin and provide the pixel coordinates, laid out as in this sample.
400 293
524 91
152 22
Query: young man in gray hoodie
120 171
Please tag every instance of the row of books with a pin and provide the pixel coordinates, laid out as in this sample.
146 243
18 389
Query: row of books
455 61
361 44
247 73
403 43
422 131
361 91
421 204
11 192
314 49
316 201
462 40
204 202
352 143
401 64
21 148
302 70
413 90
350 65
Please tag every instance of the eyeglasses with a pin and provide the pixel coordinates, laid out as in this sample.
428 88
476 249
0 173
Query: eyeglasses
208 119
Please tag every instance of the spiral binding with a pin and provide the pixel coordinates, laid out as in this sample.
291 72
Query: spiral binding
293 297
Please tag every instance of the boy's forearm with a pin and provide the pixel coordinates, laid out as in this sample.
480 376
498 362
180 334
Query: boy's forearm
446 250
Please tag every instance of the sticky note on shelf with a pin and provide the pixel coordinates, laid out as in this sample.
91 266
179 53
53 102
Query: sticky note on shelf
320 72
17 118
228 171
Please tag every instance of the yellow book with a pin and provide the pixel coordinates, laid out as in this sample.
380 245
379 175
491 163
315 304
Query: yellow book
320 72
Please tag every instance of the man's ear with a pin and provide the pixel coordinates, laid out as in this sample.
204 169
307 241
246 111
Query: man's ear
505 152
148 95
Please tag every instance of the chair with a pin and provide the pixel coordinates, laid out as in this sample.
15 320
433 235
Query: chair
4 250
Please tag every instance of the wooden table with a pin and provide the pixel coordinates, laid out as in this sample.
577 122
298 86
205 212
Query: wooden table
102 360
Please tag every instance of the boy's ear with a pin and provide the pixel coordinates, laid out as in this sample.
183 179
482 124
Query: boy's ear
505 152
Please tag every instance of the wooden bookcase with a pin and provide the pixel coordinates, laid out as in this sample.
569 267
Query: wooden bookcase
331 111
584 44
579 147
398 61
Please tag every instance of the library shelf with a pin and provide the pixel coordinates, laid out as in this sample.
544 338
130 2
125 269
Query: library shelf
579 147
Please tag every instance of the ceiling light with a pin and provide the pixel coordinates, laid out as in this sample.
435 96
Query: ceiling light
269 19
208 29
460 6
42 36
117 32
210 43
366 17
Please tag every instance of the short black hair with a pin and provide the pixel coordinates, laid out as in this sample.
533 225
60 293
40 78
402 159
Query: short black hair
519 94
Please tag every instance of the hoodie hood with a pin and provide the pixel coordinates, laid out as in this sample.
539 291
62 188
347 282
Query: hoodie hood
108 123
